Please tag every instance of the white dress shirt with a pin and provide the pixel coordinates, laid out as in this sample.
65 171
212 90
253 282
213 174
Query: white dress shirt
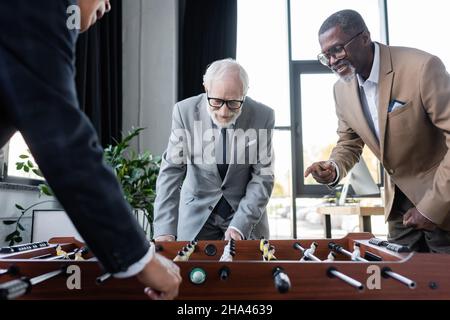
370 90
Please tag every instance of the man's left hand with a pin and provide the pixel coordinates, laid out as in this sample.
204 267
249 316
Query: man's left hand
232 234
413 218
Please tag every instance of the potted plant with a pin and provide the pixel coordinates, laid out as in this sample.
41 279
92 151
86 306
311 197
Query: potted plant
136 172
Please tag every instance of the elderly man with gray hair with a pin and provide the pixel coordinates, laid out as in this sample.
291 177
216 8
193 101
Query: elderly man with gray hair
216 175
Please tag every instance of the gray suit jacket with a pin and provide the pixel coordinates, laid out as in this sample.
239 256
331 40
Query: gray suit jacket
189 185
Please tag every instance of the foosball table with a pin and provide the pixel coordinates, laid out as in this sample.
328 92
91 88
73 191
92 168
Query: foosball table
358 266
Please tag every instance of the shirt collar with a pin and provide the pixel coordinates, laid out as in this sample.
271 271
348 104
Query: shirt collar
375 72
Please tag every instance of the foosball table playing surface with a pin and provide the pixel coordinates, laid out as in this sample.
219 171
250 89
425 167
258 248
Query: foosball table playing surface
358 266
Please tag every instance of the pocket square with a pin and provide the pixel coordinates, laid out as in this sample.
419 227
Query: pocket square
395 104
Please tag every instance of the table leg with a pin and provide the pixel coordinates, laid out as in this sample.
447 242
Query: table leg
327 226
365 224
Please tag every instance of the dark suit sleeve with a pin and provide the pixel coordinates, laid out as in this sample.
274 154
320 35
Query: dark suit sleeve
37 92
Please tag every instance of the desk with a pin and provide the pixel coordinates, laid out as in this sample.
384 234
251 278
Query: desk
364 214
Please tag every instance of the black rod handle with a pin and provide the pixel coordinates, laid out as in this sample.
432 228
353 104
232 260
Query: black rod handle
224 273
281 280
12 270
14 288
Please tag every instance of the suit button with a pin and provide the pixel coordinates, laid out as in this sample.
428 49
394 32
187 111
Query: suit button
391 171
223 188
210 208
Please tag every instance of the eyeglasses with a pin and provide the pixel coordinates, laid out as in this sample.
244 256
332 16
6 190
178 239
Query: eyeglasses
217 103
337 52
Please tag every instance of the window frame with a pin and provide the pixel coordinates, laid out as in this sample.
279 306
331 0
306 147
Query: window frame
307 190
298 68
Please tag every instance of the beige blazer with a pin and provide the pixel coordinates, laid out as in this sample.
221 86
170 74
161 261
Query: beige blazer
414 139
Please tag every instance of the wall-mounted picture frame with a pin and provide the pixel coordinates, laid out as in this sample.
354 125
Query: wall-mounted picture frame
50 223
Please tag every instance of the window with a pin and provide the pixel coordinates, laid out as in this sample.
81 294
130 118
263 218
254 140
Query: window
278 45
319 134
316 123
262 49
307 16
312 85
285 75
12 154
424 29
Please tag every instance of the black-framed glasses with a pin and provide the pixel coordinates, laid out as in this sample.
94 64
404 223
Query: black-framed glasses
217 103
337 52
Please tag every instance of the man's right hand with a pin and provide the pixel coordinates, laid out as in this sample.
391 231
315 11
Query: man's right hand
323 172
161 277
166 237
91 11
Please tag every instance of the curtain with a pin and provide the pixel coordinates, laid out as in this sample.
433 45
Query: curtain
208 32
99 74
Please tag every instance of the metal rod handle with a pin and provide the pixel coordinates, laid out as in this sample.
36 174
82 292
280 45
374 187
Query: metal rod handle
387 272
46 276
103 278
332 272
14 288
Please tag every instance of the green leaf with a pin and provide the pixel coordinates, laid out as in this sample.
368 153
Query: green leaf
20 227
23 156
37 172
26 169
45 189
30 164
19 165
18 206
18 239
9 222
12 235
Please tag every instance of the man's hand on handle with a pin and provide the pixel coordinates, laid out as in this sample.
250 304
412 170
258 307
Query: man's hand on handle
413 218
232 234
323 172
161 277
